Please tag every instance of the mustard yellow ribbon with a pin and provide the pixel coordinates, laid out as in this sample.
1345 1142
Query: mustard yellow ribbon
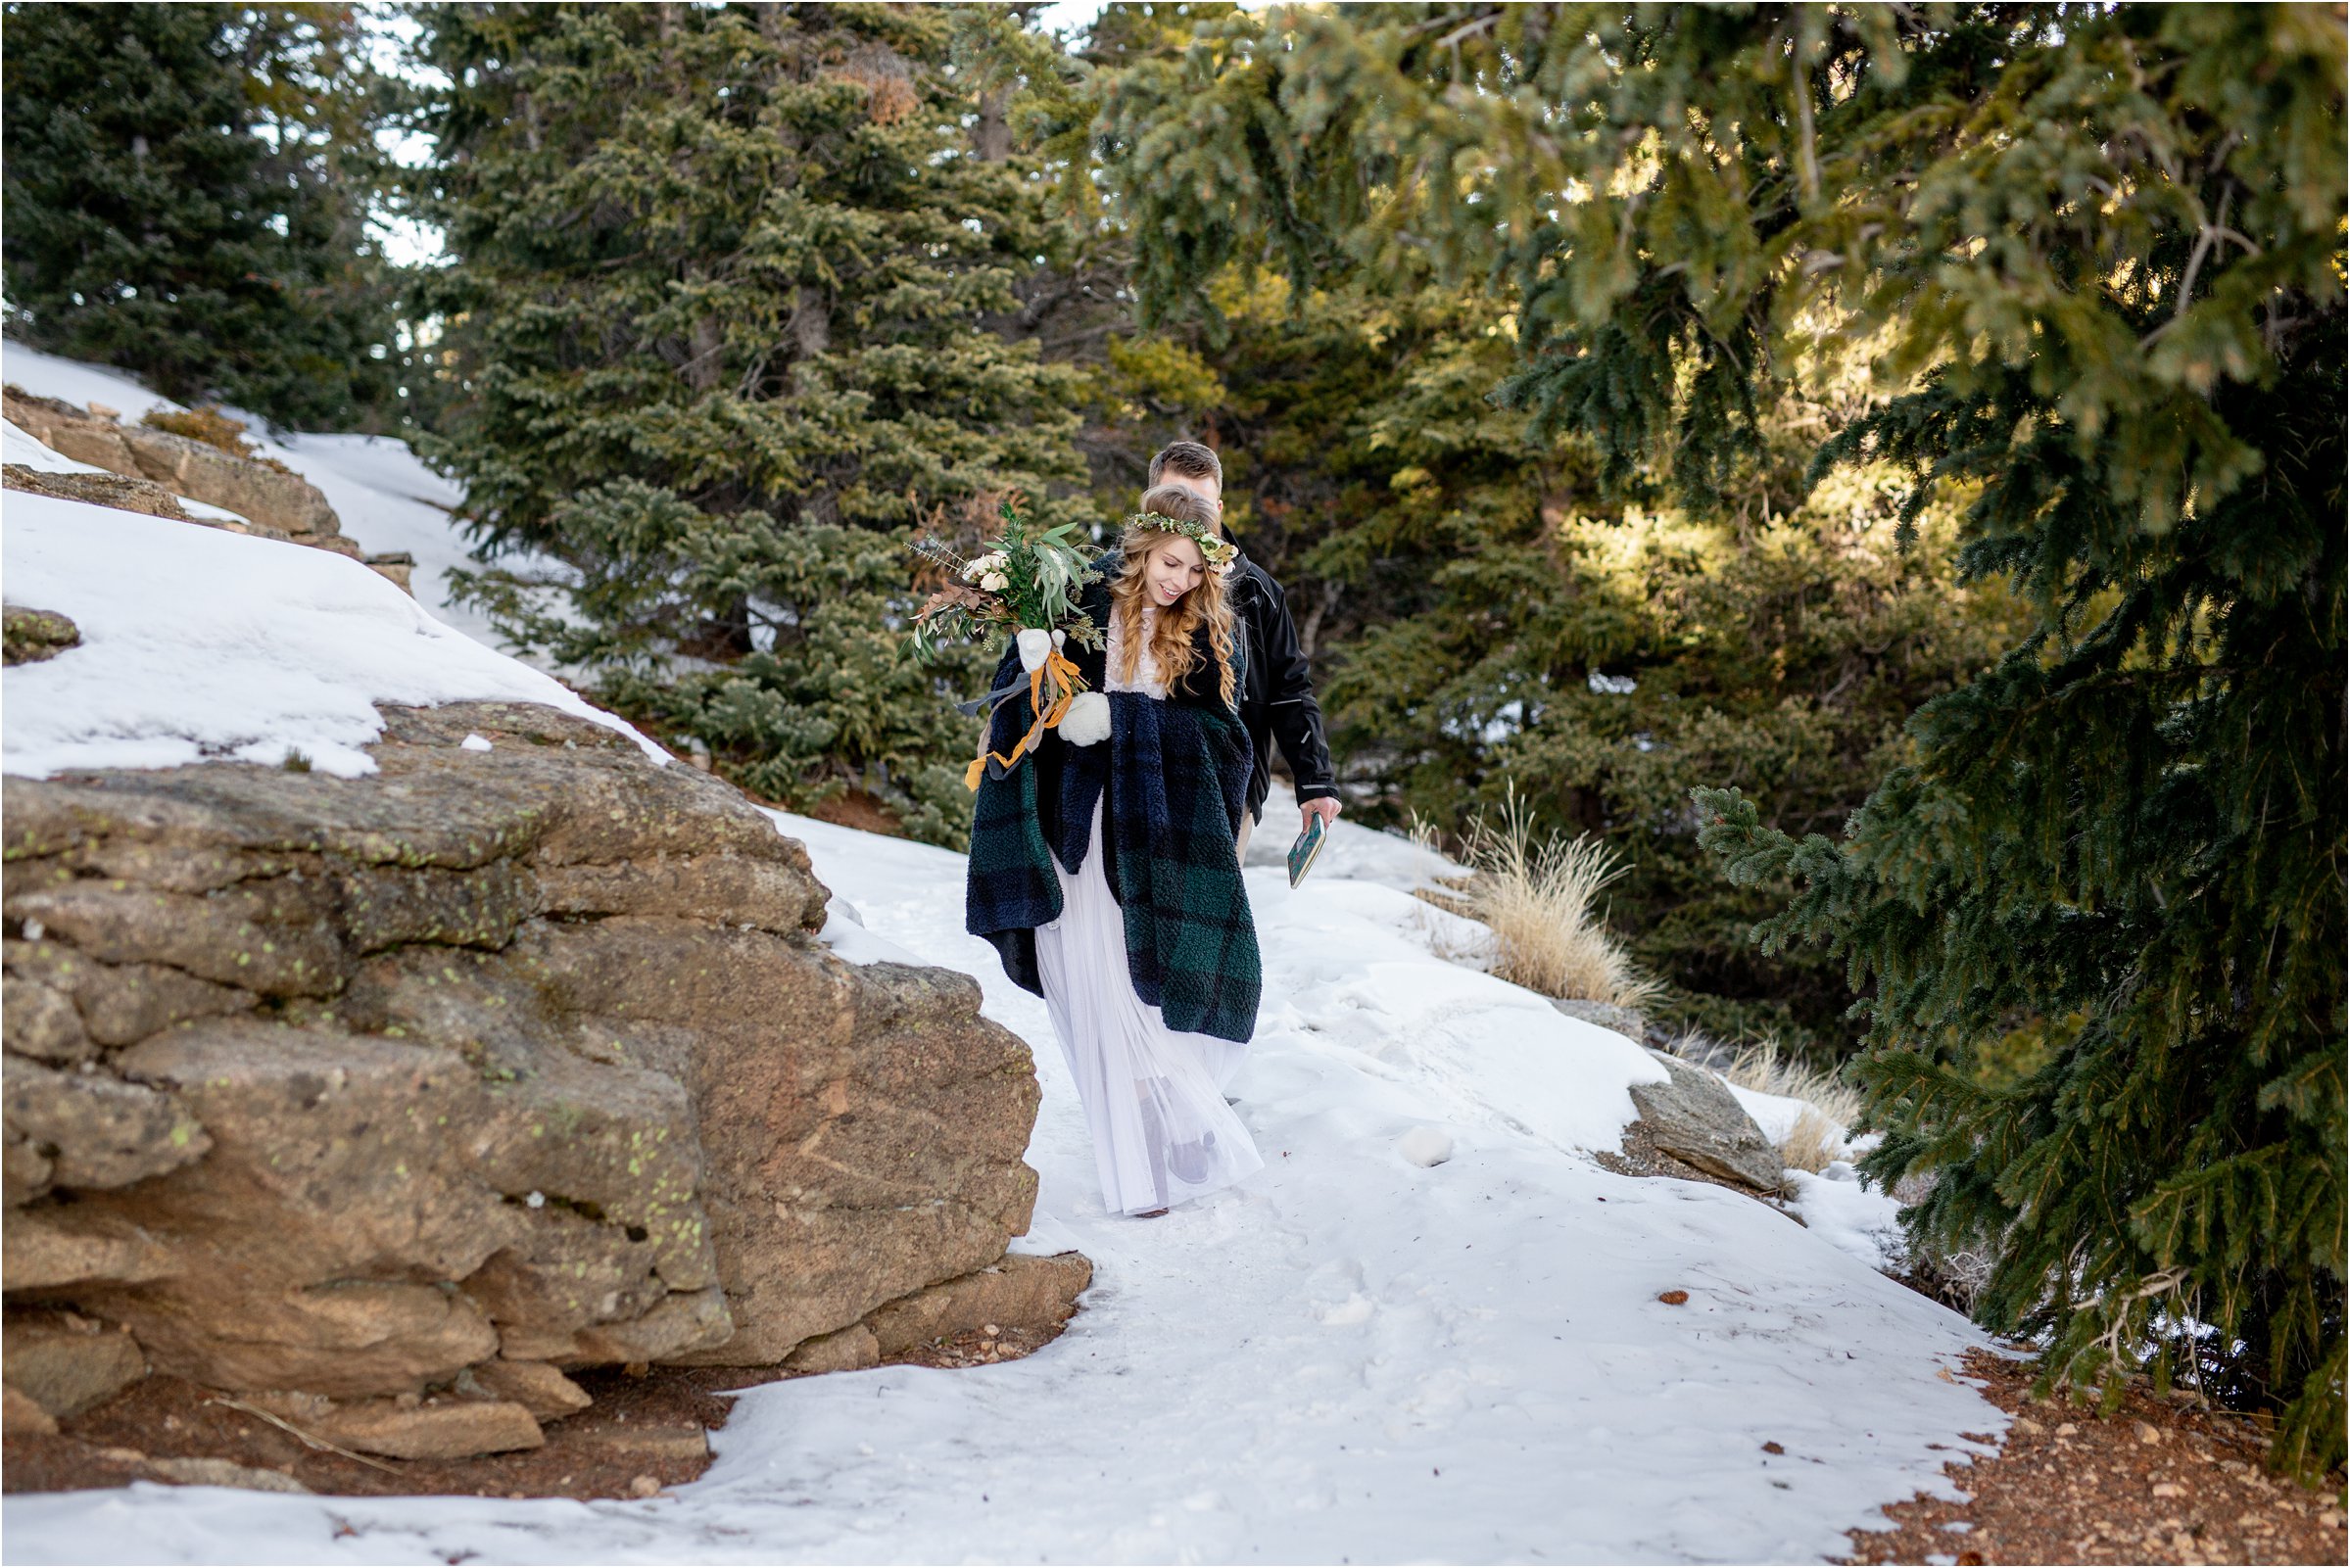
1065 675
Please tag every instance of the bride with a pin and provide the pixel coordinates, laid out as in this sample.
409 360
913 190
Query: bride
1106 876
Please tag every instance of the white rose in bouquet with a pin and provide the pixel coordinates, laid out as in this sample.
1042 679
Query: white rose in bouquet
984 567
1051 567
1088 721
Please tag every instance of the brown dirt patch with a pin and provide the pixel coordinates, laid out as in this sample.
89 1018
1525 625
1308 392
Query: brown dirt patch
2156 1482
644 1434
860 809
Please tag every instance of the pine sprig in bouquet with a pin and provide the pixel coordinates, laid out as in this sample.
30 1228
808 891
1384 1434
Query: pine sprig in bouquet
1025 581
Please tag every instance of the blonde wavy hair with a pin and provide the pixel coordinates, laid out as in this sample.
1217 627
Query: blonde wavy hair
1208 604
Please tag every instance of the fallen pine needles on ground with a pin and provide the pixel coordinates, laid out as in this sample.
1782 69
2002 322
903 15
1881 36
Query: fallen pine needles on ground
2159 1481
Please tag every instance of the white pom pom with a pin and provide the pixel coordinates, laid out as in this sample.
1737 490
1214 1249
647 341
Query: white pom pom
1035 644
1087 720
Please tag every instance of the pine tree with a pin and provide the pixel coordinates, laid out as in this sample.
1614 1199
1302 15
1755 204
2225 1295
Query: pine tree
2100 253
723 299
187 189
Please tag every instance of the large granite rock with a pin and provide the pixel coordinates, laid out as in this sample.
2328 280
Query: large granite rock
71 430
488 1063
123 494
255 488
1694 1118
149 470
266 492
1022 1291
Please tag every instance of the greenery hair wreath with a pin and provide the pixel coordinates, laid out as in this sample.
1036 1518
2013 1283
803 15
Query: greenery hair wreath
1219 552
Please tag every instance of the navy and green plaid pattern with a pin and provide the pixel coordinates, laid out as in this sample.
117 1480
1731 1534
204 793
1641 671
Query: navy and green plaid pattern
1176 791
1008 877
1173 779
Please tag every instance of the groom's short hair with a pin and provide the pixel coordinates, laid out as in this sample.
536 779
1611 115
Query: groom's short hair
1182 504
1189 458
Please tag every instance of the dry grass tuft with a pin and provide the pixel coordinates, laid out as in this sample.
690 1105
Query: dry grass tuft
1831 1106
1537 898
1811 1143
213 428
1760 1067
207 424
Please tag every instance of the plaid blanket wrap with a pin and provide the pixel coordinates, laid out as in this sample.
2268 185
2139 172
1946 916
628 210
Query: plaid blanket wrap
1172 780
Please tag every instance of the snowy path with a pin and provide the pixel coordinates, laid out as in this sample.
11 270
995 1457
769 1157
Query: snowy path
1351 1358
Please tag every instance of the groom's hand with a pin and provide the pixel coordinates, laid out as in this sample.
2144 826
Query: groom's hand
1326 808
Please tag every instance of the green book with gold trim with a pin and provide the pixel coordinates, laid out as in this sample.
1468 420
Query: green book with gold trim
1308 847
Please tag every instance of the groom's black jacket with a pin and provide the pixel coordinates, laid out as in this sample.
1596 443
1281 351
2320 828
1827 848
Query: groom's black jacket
1276 697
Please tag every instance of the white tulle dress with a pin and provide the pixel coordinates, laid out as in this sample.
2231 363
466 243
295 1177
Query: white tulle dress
1154 1098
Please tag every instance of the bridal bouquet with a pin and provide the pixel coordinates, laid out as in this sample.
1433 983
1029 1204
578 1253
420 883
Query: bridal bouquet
1025 581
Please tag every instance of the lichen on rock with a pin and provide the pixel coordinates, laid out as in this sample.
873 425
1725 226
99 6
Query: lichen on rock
32 636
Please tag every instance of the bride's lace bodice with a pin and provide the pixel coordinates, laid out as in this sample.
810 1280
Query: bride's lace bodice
1148 680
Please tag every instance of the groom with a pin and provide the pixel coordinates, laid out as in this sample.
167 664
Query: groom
1276 698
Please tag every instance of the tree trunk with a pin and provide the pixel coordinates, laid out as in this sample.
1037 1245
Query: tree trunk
702 370
991 137
1324 604
811 321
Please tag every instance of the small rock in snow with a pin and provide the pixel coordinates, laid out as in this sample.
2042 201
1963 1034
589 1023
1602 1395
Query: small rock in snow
474 742
1426 1145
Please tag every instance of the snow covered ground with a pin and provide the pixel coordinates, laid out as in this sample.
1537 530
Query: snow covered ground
198 643
387 500
1429 1330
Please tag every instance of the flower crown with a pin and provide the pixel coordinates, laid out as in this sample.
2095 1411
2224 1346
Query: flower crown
1219 552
